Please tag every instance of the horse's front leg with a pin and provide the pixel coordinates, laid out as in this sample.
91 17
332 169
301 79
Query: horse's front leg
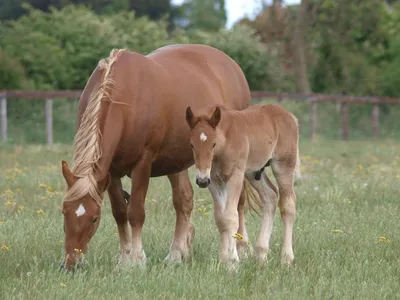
119 210
182 197
140 176
226 199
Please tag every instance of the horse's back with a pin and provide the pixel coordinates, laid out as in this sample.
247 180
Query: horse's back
206 71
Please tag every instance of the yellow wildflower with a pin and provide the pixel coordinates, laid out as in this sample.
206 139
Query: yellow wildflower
42 185
5 248
238 236
40 212
63 284
2 222
49 188
382 239
336 230
21 207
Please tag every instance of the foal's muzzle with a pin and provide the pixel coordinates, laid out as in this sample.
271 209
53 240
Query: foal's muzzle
203 182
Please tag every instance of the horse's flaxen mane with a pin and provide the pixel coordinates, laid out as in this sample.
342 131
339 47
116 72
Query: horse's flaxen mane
87 142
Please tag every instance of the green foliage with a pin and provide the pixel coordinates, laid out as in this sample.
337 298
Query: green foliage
60 49
209 15
350 42
257 60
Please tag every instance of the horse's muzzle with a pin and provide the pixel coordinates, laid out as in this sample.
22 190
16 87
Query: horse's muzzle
203 182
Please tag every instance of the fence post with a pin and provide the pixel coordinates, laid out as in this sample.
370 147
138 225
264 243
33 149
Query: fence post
375 120
313 117
280 99
3 100
345 121
49 121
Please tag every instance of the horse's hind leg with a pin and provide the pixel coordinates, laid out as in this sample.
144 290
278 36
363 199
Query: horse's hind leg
119 210
182 197
269 196
284 173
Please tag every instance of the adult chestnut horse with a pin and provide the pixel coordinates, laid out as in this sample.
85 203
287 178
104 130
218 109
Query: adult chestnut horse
131 122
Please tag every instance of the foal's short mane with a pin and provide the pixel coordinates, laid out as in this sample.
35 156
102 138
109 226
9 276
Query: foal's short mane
87 142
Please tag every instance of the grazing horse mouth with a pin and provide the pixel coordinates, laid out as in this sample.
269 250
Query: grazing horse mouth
77 263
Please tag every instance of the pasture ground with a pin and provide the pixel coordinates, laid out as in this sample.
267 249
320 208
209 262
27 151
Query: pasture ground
346 238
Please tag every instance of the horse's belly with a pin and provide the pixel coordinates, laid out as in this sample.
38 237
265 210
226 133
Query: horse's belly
171 162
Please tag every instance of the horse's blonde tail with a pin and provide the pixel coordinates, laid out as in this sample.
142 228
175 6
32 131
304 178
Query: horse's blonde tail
252 198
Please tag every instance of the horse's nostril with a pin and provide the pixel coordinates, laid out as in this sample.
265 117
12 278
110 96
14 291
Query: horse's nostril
208 180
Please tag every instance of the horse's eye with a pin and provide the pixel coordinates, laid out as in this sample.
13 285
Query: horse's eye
214 145
95 220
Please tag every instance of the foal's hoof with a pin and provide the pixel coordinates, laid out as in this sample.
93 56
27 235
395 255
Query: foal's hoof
245 249
287 258
176 256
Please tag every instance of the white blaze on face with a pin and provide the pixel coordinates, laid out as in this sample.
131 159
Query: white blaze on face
80 211
203 137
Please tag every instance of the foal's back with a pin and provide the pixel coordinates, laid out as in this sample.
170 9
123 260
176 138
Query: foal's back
270 123
267 130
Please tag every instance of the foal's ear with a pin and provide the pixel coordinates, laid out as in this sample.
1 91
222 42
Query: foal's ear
68 176
215 118
190 118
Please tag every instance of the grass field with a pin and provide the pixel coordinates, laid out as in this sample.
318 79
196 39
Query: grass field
346 239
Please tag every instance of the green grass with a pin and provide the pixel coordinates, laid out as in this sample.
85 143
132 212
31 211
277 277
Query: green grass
346 238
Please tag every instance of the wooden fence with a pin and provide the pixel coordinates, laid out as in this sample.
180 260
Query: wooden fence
312 99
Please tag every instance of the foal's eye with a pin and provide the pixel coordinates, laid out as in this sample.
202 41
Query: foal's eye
214 145
95 220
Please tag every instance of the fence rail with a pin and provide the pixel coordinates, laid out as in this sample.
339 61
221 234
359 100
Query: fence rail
311 98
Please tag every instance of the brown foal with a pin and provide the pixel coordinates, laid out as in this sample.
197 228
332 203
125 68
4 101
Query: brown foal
230 146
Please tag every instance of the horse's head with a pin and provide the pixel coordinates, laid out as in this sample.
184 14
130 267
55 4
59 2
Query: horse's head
81 213
203 139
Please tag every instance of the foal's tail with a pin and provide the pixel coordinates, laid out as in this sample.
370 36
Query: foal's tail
251 196
297 172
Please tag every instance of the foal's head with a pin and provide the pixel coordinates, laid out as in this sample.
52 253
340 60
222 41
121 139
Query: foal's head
203 139
81 214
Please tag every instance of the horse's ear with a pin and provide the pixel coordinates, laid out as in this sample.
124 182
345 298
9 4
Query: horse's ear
190 118
215 118
105 183
68 176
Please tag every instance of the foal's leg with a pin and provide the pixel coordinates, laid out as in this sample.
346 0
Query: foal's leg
226 199
284 173
242 243
140 176
182 197
269 197
119 210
